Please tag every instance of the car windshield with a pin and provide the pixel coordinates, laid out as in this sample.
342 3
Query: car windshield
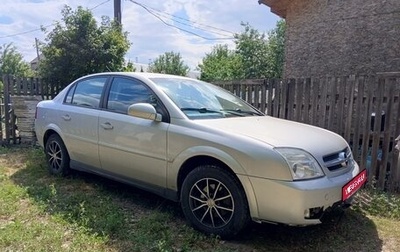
202 100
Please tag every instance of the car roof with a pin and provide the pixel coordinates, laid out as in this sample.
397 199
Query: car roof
140 75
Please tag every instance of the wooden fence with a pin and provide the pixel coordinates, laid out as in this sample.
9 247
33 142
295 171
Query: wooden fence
365 110
13 128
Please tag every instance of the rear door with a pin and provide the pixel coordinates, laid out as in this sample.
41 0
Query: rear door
79 120
130 147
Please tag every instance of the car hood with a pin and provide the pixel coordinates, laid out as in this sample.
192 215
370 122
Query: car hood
280 133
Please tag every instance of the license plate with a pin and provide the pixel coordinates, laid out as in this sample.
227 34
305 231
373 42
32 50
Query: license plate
353 185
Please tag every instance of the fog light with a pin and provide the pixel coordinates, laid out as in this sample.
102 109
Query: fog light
307 214
313 213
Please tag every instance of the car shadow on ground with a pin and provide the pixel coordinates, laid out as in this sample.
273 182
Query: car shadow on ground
350 230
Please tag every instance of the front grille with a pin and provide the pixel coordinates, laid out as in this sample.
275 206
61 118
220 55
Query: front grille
338 160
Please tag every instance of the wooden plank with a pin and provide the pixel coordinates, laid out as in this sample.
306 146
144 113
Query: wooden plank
299 100
7 108
24 86
359 95
12 83
315 93
6 84
350 108
249 94
377 129
1 115
270 100
42 89
342 81
331 102
13 136
237 89
291 97
370 83
264 95
18 85
257 103
307 91
323 103
277 99
386 133
32 87
396 155
243 91
37 85
284 99
53 88
50 88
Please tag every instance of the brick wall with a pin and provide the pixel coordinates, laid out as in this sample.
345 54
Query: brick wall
342 37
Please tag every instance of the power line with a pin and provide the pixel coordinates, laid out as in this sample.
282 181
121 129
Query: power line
176 27
197 27
38 29
25 32
100 4
187 20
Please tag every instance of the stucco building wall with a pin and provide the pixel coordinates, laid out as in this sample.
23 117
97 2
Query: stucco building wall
340 37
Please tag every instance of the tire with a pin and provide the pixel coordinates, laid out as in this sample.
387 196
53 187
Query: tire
213 201
57 156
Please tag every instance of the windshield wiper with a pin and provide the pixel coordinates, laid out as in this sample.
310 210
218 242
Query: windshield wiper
202 110
240 112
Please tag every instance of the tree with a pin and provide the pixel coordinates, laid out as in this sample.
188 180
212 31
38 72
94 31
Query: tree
221 64
78 46
252 47
276 43
129 67
11 62
169 63
256 56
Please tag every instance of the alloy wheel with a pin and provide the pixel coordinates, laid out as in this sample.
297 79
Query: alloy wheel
211 203
55 156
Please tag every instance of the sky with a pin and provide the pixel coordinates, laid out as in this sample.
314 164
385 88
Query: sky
188 27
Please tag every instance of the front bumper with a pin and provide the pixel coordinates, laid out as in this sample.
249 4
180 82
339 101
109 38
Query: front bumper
298 202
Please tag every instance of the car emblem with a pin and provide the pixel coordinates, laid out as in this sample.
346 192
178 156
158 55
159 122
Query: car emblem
343 156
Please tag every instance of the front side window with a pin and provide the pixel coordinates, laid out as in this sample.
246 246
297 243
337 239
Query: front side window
125 92
86 93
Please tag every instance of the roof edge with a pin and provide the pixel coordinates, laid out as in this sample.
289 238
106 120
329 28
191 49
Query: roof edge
277 7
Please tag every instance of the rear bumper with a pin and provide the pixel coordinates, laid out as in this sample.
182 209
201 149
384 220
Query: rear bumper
39 133
299 203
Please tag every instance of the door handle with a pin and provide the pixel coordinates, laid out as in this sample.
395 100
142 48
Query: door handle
66 117
106 126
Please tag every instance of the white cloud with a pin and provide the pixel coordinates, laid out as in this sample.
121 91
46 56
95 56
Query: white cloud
148 35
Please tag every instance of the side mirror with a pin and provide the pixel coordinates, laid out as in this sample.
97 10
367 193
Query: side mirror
144 111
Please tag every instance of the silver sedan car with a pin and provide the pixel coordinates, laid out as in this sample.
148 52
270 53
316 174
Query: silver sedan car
192 142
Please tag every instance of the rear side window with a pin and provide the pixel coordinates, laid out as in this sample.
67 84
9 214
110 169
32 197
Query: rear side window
86 93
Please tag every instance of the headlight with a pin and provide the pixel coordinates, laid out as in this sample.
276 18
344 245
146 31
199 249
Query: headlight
302 164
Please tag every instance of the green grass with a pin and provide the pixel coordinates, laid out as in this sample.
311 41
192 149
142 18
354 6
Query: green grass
379 203
83 212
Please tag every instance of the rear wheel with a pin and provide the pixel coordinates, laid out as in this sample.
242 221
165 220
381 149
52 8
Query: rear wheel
214 202
57 156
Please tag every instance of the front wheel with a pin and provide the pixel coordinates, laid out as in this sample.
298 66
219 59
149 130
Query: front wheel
214 202
57 156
